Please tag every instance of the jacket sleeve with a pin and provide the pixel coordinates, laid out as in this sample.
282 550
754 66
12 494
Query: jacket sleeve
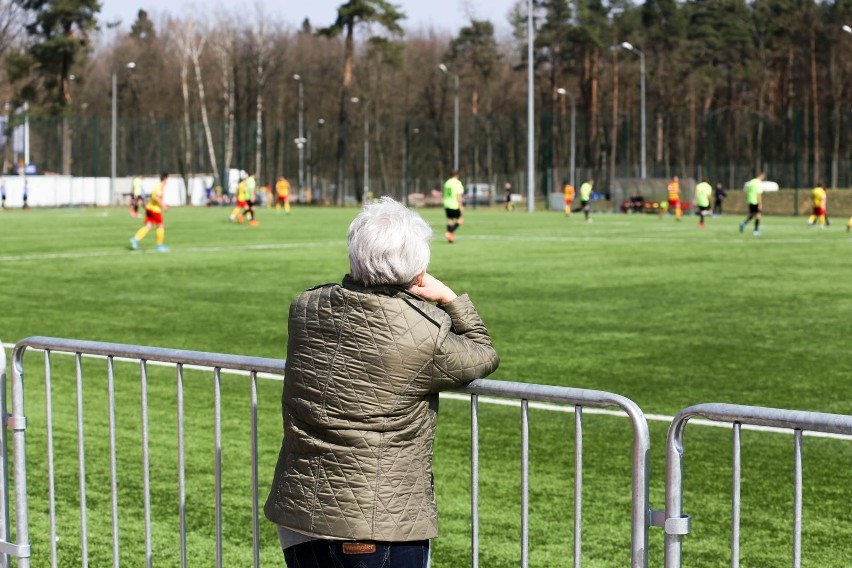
464 351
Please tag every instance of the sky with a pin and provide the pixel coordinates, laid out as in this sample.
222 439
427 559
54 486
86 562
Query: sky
440 15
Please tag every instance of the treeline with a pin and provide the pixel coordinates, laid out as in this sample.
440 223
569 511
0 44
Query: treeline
731 87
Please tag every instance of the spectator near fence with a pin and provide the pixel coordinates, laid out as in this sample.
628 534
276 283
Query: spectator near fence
365 362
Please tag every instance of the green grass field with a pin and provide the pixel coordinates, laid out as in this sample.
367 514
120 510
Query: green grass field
658 311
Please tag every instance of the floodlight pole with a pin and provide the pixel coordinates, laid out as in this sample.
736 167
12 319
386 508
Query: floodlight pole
565 93
445 69
530 117
300 143
630 47
114 129
366 151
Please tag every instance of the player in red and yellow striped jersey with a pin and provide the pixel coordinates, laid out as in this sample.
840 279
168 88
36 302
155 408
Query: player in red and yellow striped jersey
282 194
154 216
820 199
674 198
568 190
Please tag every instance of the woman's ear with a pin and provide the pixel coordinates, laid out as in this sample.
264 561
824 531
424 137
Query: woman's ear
418 281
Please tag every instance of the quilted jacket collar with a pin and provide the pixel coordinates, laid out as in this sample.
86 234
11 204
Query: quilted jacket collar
389 290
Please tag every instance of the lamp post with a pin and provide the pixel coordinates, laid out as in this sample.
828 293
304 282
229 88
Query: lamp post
114 140
571 168
366 147
629 47
530 130
446 70
300 141
406 159
320 123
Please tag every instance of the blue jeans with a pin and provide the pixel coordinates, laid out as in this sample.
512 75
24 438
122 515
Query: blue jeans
369 554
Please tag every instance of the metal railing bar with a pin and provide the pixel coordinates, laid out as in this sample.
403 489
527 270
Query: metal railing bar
474 479
51 471
136 352
146 473
217 456
797 500
578 484
770 417
113 468
22 531
255 517
4 456
525 480
81 458
181 467
735 496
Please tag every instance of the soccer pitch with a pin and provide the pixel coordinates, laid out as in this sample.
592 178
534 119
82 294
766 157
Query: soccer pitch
664 313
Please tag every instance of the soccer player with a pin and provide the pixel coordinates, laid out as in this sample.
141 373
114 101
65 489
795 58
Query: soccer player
507 189
282 194
568 190
754 198
251 198
703 191
245 198
820 199
154 216
453 205
3 194
585 197
136 199
720 196
237 212
674 197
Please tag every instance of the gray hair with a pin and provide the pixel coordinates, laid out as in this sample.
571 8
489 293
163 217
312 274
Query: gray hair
388 244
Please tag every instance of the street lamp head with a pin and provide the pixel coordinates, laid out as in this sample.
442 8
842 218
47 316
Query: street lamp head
627 45
443 68
354 99
297 77
561 91
320 122
847 29
131 65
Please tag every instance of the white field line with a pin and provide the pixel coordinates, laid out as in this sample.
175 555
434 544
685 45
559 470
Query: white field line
569 409
124 252
314 244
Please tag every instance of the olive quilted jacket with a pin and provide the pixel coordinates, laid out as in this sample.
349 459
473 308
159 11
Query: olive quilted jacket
360 402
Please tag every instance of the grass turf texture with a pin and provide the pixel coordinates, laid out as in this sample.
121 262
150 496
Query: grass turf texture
661 312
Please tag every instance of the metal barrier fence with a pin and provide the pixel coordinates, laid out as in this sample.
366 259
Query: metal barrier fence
672 520
16 422
677 524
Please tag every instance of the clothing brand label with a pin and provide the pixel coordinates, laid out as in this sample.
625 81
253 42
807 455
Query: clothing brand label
358 548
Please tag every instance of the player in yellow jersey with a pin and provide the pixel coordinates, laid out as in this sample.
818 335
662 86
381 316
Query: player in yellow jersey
586 190
282 194
568 190
453 205
154 216
674 197
703 192
820 200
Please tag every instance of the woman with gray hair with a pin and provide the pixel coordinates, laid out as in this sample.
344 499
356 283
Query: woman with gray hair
365 362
